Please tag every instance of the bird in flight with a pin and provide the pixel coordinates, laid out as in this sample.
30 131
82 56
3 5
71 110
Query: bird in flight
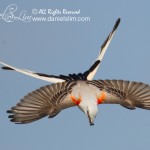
78 90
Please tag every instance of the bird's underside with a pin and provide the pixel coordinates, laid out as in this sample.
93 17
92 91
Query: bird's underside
78 90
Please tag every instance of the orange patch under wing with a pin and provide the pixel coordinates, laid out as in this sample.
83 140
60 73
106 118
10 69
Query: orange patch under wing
76 101
101 98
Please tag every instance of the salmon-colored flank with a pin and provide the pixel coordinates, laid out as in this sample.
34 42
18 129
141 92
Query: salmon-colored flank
101 98
76 101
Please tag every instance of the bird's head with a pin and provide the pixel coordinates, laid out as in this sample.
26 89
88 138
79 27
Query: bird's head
91 113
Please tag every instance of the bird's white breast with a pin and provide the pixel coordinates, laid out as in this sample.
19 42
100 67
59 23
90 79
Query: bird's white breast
87 92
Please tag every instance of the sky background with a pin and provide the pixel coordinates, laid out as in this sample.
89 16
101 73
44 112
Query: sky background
70 47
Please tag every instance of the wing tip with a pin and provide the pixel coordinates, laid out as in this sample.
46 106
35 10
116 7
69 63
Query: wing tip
9 111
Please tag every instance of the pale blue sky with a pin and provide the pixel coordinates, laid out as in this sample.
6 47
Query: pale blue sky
70 47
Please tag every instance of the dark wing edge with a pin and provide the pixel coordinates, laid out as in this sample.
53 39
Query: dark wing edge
128 94
46 101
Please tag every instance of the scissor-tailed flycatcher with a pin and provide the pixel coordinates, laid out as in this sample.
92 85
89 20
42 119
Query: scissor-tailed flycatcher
78 90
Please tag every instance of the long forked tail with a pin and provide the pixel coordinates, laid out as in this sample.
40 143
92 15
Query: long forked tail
93 69
87 75
45 77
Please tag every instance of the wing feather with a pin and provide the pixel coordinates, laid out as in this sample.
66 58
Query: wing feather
126 93
46 101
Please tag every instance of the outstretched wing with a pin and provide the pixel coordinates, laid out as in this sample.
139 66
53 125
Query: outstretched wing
126 93
89 74
46 101
45 77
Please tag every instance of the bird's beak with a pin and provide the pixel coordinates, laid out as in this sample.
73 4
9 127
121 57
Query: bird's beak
91 124
90 120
